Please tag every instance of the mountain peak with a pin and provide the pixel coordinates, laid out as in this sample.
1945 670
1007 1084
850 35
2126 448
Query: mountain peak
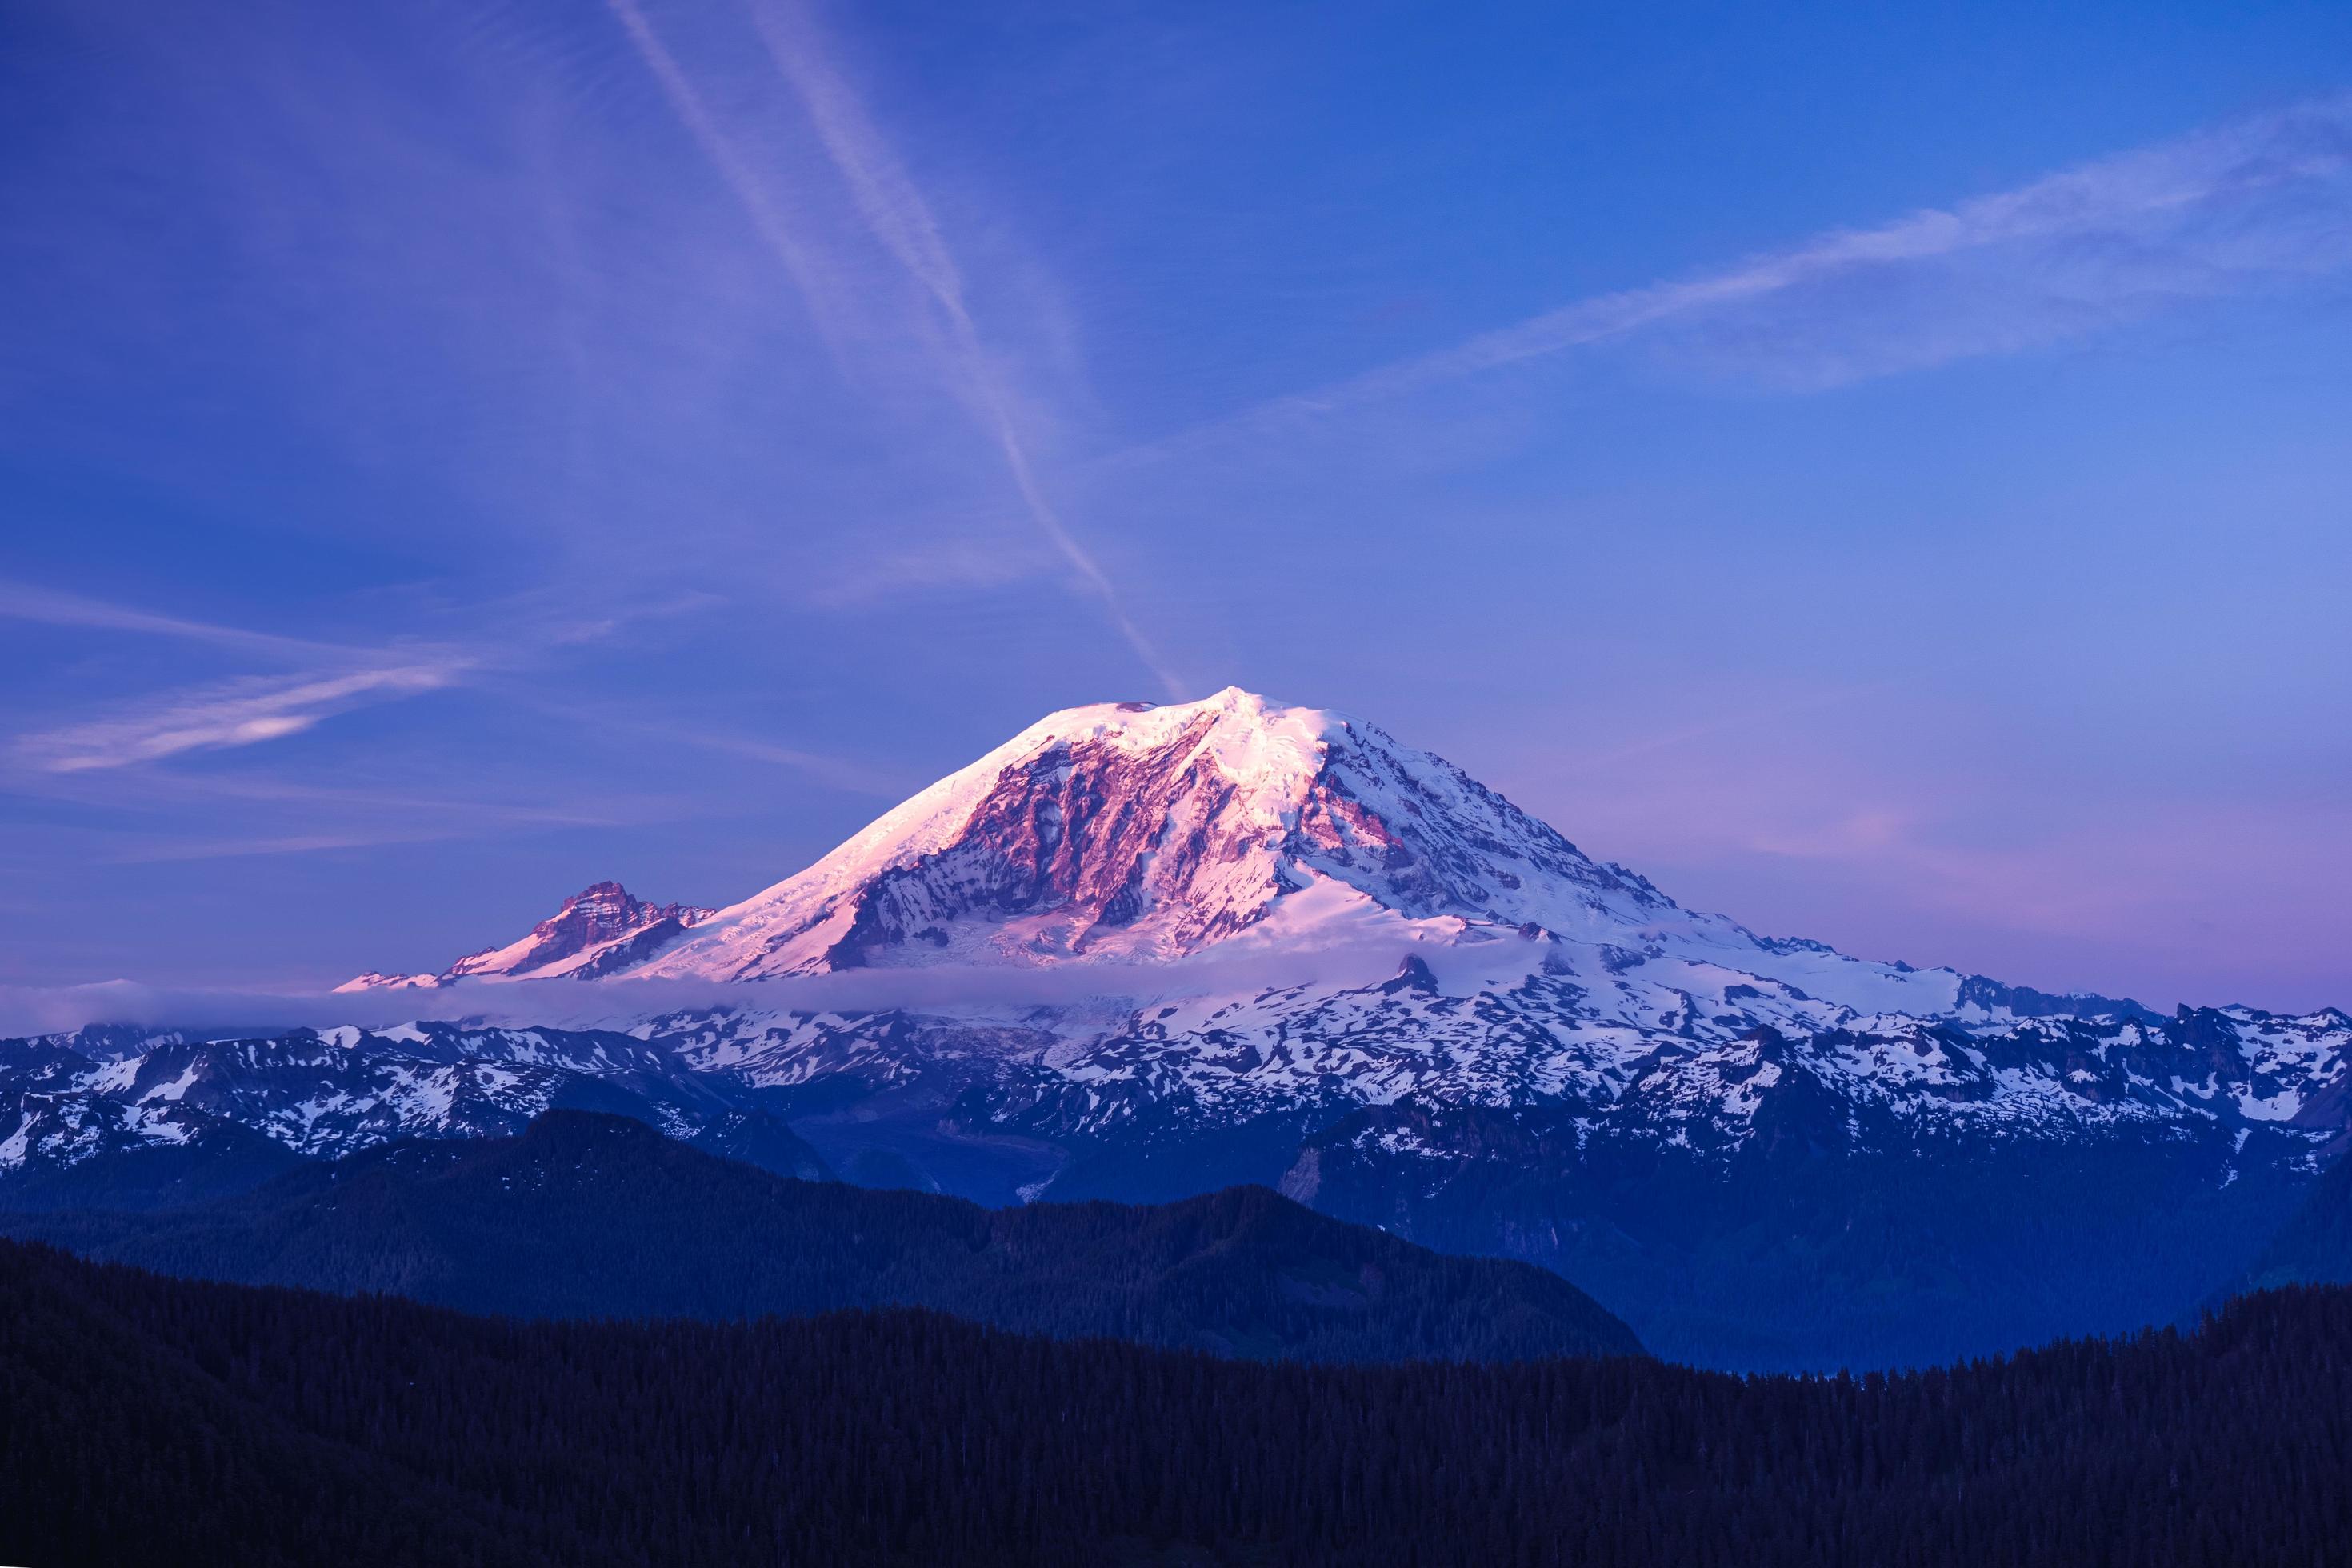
1143 832
1149 832
1230 722
598 930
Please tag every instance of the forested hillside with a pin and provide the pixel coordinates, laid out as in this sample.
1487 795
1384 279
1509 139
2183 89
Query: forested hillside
2314 1245
592 1216
187 1422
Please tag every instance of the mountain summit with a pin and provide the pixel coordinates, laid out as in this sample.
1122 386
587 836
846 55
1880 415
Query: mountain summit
1132 831
1142 833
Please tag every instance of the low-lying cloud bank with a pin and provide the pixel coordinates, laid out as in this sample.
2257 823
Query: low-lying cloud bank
574 1004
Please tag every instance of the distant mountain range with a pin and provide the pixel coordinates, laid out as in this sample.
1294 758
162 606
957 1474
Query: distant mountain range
1142 952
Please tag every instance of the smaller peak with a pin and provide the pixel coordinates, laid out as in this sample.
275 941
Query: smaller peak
1412 974
375 980
611 900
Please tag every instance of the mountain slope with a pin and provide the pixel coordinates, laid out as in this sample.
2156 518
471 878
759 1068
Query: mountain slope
1792 1253
2314 1245
201 1158
589 1215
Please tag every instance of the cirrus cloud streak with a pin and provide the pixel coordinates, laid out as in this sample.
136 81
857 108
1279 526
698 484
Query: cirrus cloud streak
238 713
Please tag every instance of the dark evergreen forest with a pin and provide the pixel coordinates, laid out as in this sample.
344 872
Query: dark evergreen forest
154 1420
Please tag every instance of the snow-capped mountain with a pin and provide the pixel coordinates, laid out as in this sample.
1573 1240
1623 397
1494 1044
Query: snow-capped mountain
1161 838
1132 832
1230 940
324 1093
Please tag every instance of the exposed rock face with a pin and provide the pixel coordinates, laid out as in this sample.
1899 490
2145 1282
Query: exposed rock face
1133 832
1088 836
591 917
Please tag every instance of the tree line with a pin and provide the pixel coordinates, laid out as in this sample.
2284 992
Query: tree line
157 1419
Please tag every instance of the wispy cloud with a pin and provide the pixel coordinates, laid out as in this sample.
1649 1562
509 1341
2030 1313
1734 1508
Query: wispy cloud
456 822
900 219
837 773
238 713
281 843
55 607
847 774
336 678
166 815
2223 210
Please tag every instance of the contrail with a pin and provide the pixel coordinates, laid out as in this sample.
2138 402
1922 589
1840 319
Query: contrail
895 210
901 221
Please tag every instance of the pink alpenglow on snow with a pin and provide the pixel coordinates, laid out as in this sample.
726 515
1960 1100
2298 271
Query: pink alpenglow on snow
1137 833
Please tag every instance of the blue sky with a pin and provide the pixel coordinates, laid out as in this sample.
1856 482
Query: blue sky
1882 473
